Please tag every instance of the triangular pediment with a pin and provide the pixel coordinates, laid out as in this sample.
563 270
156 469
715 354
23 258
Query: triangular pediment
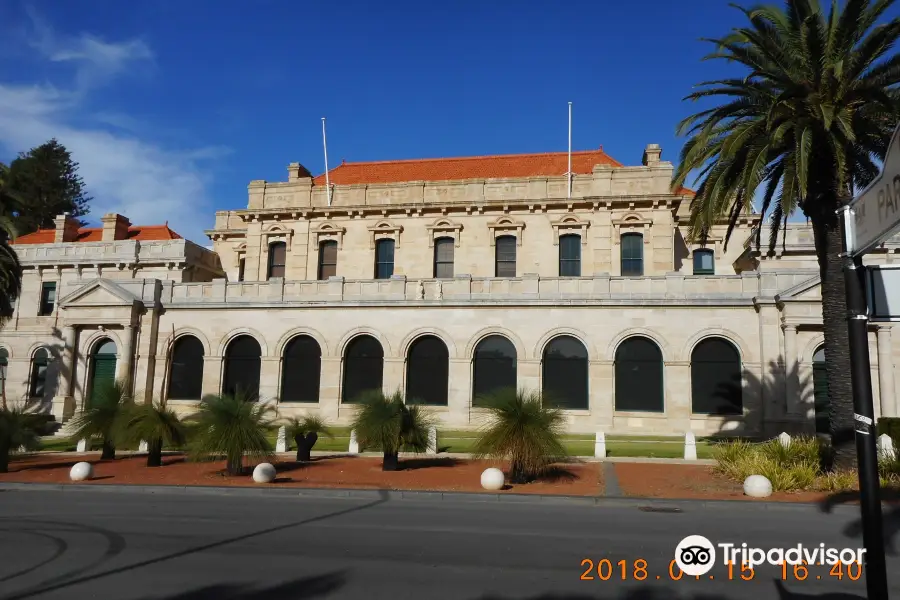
100 292
810 289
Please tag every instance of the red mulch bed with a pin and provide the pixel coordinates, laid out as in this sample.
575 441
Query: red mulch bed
439 474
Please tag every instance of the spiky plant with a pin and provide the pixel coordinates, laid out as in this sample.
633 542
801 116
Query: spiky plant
104 408
231 425
388 423
10 269
18 428
522 430
305 432
153 423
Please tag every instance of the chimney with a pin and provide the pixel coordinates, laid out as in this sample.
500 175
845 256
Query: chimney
66 228
652 155
115 227
297 171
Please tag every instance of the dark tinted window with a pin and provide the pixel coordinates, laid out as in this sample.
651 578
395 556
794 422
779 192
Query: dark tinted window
384 259
301 368
428 371
48 298
4 363
363 367
493 368
277 257
639 376
632 254
186 372
39 363
241 263
716 378
570 255
505 256
242 364
704 263
443 257
327 259
565 373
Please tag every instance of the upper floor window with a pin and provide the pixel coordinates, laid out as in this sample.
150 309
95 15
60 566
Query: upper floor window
277 256
570 255
384 259
48 298
327 259
241 263
505 256
632 254
443 257
703 262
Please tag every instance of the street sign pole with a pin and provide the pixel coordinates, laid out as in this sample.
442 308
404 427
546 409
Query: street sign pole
864 413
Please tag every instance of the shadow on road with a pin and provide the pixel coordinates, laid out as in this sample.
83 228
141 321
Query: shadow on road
891 518
309 587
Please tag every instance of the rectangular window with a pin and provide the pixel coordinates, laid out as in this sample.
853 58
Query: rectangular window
632 255
505 257
327 259
443 258
48 298
384 259
704 263
277 256
241 263
570 256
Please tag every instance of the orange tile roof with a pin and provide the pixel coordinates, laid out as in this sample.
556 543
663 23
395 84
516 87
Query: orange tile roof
466 167
144 233
683 191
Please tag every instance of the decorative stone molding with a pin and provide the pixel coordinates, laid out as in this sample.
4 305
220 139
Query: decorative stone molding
505 225
384 229
277 233
329 231
444 227
632 222
568 223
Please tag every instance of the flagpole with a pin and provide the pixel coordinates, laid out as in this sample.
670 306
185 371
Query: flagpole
569 172
325 147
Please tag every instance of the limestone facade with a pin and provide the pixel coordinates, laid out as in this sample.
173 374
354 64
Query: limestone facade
307 260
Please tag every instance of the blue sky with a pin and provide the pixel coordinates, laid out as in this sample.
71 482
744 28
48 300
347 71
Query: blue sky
171 108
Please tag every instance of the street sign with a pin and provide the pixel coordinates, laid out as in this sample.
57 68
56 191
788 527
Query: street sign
883 292
876 210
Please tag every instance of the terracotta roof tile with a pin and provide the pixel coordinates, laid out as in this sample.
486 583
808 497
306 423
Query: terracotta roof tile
683 191
467 167
144 233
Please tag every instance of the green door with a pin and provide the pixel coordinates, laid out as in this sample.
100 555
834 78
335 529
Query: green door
820 393
103 366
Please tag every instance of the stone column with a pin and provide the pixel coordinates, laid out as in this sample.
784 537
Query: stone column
330 388
886 373
791 375
600 387
460 394
63 404
268 378
124 369
212 375
394 375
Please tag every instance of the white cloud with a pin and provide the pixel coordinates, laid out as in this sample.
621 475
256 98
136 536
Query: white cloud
124 172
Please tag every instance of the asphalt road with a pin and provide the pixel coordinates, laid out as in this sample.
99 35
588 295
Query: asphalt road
123 545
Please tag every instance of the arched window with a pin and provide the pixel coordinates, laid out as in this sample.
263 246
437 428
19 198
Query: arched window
703 262
242 363
4 363
39 363
103 365
301 367
716 378
186 370
570 255
384 259
564 373
428 371
327 259
820 392
363 367
639 376
443 257
632 247
505 256
277 259
493 367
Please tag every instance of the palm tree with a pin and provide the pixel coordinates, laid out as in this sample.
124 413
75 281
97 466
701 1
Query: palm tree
388 423
153 423
10 269
522 430
18 428
109 400
305 432
804 124
233 425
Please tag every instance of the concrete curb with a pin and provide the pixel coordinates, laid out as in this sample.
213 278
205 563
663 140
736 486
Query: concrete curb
647 504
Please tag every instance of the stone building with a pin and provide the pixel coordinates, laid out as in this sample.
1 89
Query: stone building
447 279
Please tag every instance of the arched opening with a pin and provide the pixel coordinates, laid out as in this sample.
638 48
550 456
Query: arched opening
639 376
570 255
716 387
301 367
103 365
428 371
564 373
493 367
243 358
39 362
821 401
4 363
186 369
363 368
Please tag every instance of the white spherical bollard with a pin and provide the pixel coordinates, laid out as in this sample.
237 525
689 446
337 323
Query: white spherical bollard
757 486
81 471
264 473
492 479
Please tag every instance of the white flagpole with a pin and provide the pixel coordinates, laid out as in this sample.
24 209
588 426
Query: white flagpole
569 172
325 146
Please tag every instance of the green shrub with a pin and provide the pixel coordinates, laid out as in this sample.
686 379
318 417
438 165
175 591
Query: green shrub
153 423
305 432
18 427
795 467
391 425
890 426
98 420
